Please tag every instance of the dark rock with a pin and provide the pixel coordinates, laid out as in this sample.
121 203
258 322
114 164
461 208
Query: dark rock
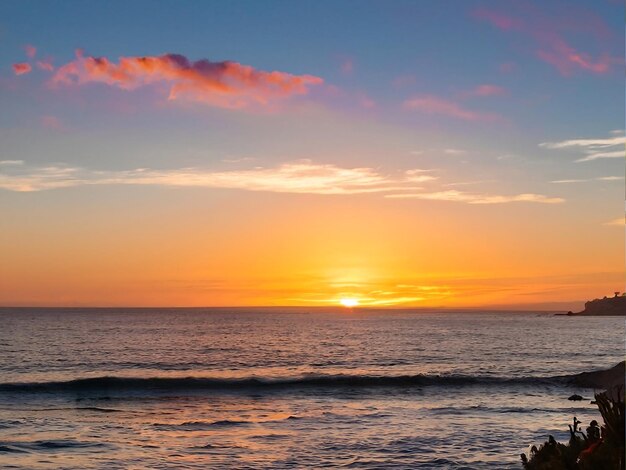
608 306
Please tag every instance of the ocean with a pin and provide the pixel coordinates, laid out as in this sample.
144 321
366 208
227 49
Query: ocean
290 388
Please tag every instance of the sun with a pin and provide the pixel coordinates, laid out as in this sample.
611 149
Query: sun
349 303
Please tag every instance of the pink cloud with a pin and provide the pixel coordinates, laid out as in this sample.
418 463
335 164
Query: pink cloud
403 80
499 20
52 122
222 84
434 105
31 51
566 59
486 90
549 35
347 66
507 67
45 65
365 101
21 68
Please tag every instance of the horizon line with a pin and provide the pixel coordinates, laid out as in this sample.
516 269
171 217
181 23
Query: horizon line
313 307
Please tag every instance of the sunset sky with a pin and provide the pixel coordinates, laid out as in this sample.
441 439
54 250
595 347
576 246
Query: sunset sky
421 153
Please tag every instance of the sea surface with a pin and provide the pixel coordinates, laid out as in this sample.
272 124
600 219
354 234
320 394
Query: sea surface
290 388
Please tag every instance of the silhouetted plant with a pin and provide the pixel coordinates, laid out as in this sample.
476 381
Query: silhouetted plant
581 453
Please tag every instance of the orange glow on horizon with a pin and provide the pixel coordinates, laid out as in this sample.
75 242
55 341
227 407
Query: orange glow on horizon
349 302
302 251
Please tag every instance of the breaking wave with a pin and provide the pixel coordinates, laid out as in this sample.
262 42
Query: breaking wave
168 384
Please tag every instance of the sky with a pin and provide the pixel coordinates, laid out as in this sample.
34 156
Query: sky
244 153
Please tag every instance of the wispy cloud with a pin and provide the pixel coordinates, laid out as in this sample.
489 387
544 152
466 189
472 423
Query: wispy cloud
485 90
446 151
467 183
431 104
301 176
21 68
31 51
568 181
222 84
597 155
453 151
472 198
610 178
619 222
419 176
46 65
11 162
594 148
550 36
601 178
52 122
347 65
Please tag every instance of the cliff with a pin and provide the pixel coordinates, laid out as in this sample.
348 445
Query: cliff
604 307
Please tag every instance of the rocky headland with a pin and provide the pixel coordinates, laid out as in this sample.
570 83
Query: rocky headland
608 306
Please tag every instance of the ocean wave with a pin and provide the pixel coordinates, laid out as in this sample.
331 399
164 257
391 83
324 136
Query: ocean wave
34 446
199 425
168 384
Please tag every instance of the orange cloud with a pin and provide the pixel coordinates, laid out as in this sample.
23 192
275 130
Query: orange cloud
21 68
434 105
222 84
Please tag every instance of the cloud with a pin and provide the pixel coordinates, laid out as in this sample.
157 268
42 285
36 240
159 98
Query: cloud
365 101
597 155
302 176
619 222
507 67
594 148
222 84
238 160
466 183
299 177
403 81
600 178
431 104
453 151
610 178
419 176
586 143
52 122
470 198
347 66
21 68
549 36
11 162
45 65
31 51
485 90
